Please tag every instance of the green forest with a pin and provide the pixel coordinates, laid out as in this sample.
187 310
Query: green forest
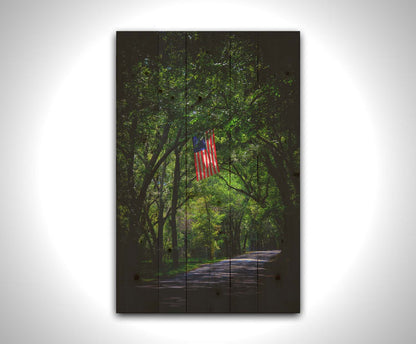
172 86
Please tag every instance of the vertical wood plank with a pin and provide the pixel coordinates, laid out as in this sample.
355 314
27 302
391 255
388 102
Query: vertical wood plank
265 280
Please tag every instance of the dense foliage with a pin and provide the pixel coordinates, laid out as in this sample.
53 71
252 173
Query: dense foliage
184 84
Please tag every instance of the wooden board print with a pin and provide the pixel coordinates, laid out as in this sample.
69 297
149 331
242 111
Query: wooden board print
208 166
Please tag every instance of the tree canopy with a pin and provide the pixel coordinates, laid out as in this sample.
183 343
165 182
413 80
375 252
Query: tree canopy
174 85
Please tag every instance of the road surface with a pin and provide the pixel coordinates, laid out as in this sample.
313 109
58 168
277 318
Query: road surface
231 285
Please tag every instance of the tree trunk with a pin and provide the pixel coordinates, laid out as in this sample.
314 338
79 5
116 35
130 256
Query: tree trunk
161 220
209 225
245 242
175 192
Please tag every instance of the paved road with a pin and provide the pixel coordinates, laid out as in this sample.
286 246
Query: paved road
231 285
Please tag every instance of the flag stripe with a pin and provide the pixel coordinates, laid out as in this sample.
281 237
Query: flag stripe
206 163
201 156
196 169
209 147
201 168
207 160
200 165
203 162
197 165
212 155
208 156
215 151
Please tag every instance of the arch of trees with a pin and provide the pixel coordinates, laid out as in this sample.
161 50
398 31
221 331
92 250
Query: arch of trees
173 85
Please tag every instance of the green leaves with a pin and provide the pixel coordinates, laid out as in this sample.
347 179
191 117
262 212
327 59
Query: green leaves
219 81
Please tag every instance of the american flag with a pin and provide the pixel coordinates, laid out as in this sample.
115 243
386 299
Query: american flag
205 155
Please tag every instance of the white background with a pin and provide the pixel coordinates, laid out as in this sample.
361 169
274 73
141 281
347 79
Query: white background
57 177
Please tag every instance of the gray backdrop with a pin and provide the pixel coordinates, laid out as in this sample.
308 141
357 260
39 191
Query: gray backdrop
57 79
